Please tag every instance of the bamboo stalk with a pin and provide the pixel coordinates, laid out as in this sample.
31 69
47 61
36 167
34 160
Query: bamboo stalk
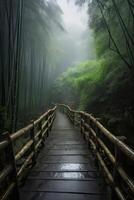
121 171
19 133
23 150
107 172
38 144
4 144
44 132
8 191
5 172
25 164
41 118
45 124
121 145
37 134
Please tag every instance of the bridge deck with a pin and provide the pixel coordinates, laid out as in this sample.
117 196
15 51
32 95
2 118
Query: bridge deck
64 169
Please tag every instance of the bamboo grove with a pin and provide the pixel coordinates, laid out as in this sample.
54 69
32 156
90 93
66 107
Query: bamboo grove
39 66
26 31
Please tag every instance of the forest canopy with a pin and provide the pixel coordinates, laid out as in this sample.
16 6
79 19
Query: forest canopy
104 86
51 52
27 31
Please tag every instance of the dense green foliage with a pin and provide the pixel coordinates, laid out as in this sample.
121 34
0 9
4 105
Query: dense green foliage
105 86
36 48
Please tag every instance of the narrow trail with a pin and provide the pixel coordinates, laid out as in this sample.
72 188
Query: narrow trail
65 168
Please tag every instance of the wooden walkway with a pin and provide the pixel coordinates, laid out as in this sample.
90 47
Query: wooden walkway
65 168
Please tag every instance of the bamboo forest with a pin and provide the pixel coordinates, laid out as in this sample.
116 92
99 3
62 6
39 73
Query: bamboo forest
66 99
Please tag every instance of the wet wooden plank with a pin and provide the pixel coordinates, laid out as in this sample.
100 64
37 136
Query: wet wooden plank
58 196
64 175
76 167
67 152
84 187
65 168
68 147
64 159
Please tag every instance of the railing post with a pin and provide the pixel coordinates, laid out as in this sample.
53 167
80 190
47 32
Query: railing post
41 132
74 118
68 113
32 135
119 161
97 131
47 118
51 113
81 122
64 110
10 154
85 129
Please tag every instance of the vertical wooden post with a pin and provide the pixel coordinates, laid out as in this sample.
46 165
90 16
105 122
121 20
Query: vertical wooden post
74 118
54 114
67 113
32 135
84 118
10 154
47 118
89 123
98 132
41 132
51 113
119 161
81 123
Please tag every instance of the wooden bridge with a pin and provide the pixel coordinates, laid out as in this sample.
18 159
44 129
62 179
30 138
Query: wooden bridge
78 159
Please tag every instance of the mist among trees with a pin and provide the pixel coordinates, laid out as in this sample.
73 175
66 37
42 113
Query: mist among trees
77 52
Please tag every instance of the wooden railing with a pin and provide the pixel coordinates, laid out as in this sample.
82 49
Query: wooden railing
113 156
19 152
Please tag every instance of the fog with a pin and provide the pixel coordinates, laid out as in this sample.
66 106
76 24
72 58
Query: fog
74 18
77 40
41 40
47 55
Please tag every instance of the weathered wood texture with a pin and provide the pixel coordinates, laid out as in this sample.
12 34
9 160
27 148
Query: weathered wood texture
19 152
65 168
114 157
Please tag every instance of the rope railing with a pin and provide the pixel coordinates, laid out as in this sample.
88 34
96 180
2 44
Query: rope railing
113 155
17 159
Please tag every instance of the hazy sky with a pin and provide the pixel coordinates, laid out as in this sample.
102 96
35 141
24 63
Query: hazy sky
78 36
73 16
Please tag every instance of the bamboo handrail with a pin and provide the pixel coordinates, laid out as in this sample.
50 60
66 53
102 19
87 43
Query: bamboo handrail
4 144
5 172
39 129
8 191
121 171
19 133
122 146
87 124
36 130
23 150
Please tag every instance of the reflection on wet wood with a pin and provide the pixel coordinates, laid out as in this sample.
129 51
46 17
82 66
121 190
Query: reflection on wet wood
65 168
